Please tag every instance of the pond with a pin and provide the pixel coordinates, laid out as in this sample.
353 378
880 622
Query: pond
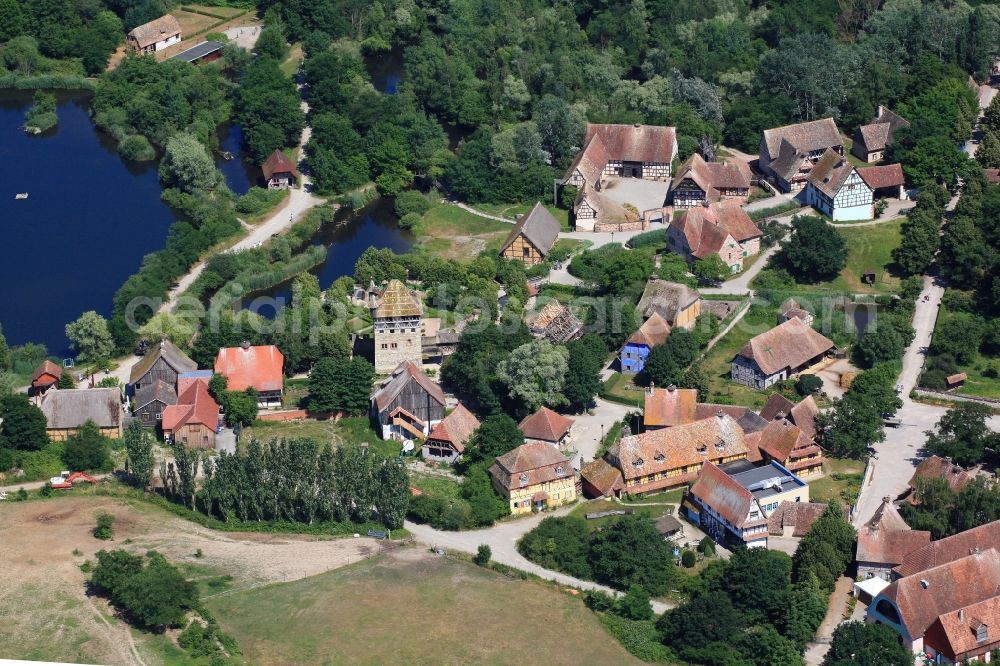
386 70
240 172
89 219
350 234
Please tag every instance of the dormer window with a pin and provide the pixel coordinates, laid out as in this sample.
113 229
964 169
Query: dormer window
559 471
523 480
703 449
638 462
982 633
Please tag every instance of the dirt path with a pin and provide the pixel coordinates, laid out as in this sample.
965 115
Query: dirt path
817 649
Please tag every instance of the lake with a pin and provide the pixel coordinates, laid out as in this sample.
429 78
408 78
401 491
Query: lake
240 173
350 234
386 70
89 220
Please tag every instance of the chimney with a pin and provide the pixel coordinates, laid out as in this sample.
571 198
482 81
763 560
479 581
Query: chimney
720 413
672 388
924 583
780 416
886 499
961 615
637 125
245 345
651 389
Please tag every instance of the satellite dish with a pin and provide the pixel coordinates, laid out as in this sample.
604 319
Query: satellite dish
407 445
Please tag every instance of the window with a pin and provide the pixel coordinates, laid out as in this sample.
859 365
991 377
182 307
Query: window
385 346
394 345
523 480
559 471
525 251
982 633
159 416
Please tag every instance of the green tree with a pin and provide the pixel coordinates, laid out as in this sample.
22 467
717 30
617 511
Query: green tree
341 385
66 381
863 644
758 581
963 435
139 458
666 363
483 555
561 544
988 151
88 449
495 436
158 596
695 378
629 552
24 426
879 344
711 268
814 252
583 371
187 165
6 357
114 568
272 43
764 646
90 338
706 619
240 406
635 604
535 374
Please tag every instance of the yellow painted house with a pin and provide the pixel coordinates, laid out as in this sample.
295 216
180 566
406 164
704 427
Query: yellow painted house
677 303
534 476
532 237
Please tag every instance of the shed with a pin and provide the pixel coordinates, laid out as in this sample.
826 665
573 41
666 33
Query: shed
868 589
279 172
669 526
204 52
956 380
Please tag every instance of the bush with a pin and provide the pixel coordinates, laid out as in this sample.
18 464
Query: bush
706 546
688 559
258 200
410 220
21 495
808 384
656 238
483 555
6 459
154 594
104 522
411 202
137 148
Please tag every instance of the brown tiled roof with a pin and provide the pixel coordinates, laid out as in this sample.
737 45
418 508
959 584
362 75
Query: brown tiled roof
960 629
992 175
667 298
885 175
545 425
256 367
636 143
787 345
538 226
776 405
730 500
873 137
936 467
713 176
960 583
169 352
71 408
654 331
46 368
590 161
537 461
886 538
404 373
803 414
830 173
753 447
798 515
788 160
603 476
456 428
278 162
671 406
156 30
706 228
803 137
780 438
956 378
398 301
744 416
159 390
681 446
950 548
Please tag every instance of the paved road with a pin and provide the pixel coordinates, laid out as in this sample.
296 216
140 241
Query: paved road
502 540
589 429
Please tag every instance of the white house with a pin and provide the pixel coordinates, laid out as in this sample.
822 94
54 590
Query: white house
835 188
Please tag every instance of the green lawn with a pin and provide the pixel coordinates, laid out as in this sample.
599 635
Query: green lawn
349 431
842 481
453 233
437 486
717 362
621 388
978 383
410 607
653 506
514 211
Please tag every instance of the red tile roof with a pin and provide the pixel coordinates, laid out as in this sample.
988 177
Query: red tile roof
604 477
787 345
886 175
47 374
545 425
726 496
671 406
538 462
798 515
803 137
951 548
936 467
706 228
636 143
830 173
278 162
654 331
256 367
957 633
714 176
456 428
195 406
886 538
780 438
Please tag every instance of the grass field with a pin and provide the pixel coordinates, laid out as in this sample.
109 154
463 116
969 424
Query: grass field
453 233
409 607
346 431
843 477
717 363
514 211
623 389
653 506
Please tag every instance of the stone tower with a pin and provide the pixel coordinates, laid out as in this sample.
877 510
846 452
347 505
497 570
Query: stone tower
398 327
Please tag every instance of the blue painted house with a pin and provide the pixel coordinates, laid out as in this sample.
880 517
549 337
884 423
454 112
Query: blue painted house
654 331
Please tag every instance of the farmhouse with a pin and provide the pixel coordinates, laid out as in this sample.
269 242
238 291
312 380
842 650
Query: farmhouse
698 182
532 237
835 188
725 510
721 229
871 140
407 405
163 361
936 467
678 304
654 331
546 426
151 400
155 35
534 476
784 443
193 421
626 151
279 172
396 315
788 153
446 442
45 377
67 410
259 368
885 541
886 181
778 354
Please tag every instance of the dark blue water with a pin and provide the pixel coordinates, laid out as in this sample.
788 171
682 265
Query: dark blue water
386 70
84 229
350 234
241 174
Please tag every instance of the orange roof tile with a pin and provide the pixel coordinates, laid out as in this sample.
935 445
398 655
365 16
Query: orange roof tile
456 428
950 548
194 406
725 495
959 629
251 367
654 331
671 406
887 539
545 425
532 463
278 162
46 374
604 477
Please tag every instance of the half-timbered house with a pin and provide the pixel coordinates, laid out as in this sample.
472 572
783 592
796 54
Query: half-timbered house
154 36
407 405
788 153
45 377
677 303
698 182
779 353
835 188
279 171
886 180
723 229
163 361
151 400
194 420
532 237
67 410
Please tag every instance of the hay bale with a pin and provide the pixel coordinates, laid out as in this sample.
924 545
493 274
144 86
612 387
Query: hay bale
847 379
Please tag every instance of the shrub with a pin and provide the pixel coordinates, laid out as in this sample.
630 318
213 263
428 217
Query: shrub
137 148
808 384
6 459
104 522
21 494
258 200
410 220
635 604
706 546
411 202
688 558
483 555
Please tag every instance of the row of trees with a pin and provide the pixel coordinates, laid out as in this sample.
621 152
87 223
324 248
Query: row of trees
293 480
856 421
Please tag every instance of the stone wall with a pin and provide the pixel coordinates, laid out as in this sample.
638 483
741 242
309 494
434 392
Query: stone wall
639 225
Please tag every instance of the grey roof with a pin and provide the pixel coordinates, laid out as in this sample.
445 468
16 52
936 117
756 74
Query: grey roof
752 422
198 51
804 137
538 226
173 356
767 481
830 173
666 298
788 160
71 408
668 524
157 391
404 373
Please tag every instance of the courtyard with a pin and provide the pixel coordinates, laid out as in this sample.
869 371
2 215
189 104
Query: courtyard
643 194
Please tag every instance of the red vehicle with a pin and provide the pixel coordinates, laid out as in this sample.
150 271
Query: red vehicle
66 480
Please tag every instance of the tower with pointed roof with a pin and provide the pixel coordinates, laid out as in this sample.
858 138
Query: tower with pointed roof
397 315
